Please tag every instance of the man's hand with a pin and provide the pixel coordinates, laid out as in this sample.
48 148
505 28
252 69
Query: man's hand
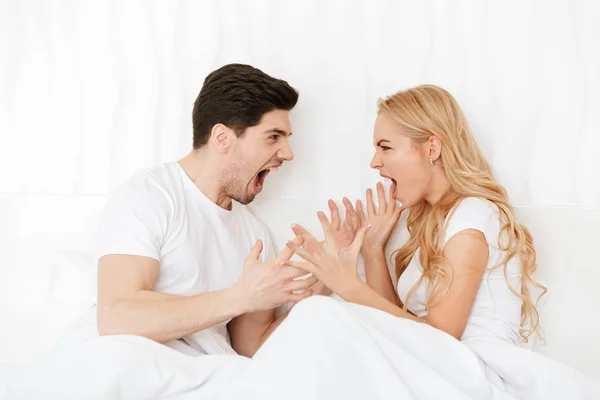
264 287
269 285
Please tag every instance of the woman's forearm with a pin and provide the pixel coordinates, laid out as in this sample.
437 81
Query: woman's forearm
378 275
361 293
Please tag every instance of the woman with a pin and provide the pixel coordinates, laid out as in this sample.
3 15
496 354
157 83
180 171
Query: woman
467 267
465 273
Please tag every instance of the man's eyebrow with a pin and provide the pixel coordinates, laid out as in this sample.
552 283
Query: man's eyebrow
278 131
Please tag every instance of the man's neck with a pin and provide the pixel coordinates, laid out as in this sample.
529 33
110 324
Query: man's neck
205 174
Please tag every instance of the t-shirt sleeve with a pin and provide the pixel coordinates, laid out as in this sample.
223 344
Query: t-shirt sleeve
478 214
134 222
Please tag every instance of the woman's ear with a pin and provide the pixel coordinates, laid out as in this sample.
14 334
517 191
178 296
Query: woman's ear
220 136
435 147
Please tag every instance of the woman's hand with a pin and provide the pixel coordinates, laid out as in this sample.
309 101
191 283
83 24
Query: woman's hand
382 222
333 264
344 232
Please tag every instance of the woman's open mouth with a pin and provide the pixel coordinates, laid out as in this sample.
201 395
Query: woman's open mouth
393 186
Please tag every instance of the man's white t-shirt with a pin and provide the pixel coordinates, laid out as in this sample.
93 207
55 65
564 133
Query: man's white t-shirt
160 213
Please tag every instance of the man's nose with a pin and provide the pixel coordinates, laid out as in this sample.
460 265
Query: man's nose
285 151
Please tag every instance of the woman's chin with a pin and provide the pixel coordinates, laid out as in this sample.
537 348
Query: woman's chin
404 202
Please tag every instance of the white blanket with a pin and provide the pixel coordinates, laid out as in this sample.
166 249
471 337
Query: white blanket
325 349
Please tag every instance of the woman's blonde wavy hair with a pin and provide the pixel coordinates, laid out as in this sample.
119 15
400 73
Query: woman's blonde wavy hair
430 110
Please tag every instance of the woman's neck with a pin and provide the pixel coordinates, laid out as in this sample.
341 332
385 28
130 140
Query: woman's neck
439 188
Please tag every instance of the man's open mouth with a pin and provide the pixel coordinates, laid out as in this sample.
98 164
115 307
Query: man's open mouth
259 181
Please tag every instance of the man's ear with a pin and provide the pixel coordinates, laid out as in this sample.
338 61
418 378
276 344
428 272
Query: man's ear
435 147
221 137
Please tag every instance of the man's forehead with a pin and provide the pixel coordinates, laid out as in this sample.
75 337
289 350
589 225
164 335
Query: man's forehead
276 121
280 131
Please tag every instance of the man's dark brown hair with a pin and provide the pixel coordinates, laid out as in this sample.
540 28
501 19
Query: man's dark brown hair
237 96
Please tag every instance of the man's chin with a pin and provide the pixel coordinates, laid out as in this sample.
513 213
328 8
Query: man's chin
245 200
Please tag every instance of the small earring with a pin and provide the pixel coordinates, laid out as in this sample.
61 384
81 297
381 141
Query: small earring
432 162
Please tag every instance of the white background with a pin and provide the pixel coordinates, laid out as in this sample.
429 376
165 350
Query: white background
93 91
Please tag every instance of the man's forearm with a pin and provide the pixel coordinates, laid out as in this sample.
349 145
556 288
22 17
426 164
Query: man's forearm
249 331
164 317
271 329
378 275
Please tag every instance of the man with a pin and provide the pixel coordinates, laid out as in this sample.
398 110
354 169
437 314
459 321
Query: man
180 254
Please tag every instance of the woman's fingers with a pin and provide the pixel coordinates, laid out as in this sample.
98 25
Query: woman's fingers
360 237
381 197
360 212
370 205
310 257
335 215
396 214
327 229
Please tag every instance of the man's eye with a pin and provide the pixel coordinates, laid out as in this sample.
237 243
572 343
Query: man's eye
274 137
384 148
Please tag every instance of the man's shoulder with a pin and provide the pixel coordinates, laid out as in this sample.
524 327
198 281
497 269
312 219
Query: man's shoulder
159 174
155 184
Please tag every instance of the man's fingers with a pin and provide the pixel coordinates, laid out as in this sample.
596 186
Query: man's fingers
286 253
295 269
306 267
302 284
290 272
296 297
256 250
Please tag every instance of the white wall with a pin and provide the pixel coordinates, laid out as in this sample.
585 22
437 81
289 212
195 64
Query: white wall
90 92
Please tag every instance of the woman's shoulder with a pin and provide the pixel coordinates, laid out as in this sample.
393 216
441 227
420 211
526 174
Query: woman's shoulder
474 206
474 213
